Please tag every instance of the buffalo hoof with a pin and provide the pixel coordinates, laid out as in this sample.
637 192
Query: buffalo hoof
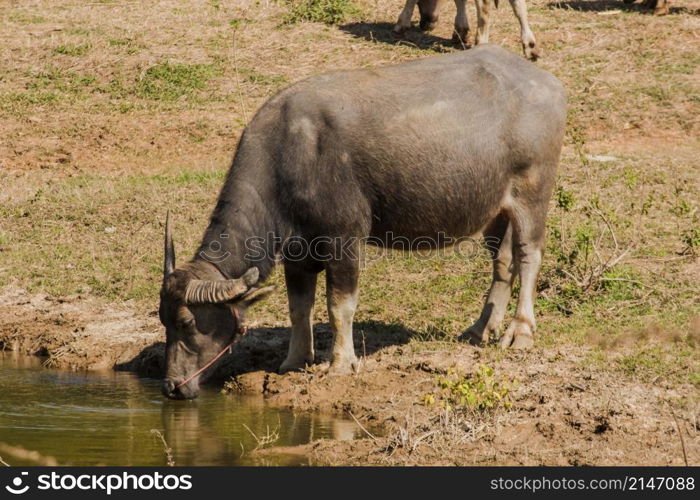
292 365
343 367
518 336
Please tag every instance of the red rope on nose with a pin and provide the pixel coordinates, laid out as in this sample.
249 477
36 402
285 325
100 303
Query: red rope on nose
242 330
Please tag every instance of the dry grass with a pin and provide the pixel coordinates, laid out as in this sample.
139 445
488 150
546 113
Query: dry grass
146 105
270 437
113 112
23 455
167 450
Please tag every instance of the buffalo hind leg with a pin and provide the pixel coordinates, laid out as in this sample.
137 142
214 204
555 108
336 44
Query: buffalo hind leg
527 39
342 293
499 241
301 292
528 221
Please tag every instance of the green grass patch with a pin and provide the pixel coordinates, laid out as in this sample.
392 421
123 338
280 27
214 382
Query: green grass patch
17 101
320 11
275 81
21 18
93 234
171 81
53 78
676 363
73 50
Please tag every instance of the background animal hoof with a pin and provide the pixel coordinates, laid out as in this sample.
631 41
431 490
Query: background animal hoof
532 52
428 24
461 39
399 30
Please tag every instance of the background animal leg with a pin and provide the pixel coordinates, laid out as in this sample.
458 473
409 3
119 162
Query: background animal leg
661 8
461 32
404 21
428 14
526 37
483 9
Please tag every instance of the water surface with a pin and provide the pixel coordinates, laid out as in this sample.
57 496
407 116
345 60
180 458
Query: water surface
106 418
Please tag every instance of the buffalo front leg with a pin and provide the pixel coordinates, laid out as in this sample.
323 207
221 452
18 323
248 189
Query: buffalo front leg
526 37
528 220
404 21
483 9
461 33
498 238
301 292
342 292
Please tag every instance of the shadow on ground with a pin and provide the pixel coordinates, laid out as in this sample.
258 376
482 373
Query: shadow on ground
265 348
612 5
383 33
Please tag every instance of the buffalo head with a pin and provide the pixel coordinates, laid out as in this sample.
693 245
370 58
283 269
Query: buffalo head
201 313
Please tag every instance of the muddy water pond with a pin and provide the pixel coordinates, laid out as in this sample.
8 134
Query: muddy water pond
107 418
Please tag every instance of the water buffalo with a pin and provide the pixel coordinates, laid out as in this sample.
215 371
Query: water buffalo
452 145
429 17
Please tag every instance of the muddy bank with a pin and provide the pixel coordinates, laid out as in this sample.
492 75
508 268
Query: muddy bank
567 408
563 413
74 332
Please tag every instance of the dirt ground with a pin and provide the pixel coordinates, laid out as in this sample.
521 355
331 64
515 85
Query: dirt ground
568 406
112 112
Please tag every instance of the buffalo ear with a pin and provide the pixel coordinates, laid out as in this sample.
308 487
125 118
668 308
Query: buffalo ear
254 295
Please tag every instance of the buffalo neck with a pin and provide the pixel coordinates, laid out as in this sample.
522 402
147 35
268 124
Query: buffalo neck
244 226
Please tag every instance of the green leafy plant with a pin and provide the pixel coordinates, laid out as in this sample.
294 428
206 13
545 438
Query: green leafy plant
479 391
565 199
691 237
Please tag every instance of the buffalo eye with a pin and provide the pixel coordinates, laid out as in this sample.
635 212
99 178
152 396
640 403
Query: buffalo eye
186 323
